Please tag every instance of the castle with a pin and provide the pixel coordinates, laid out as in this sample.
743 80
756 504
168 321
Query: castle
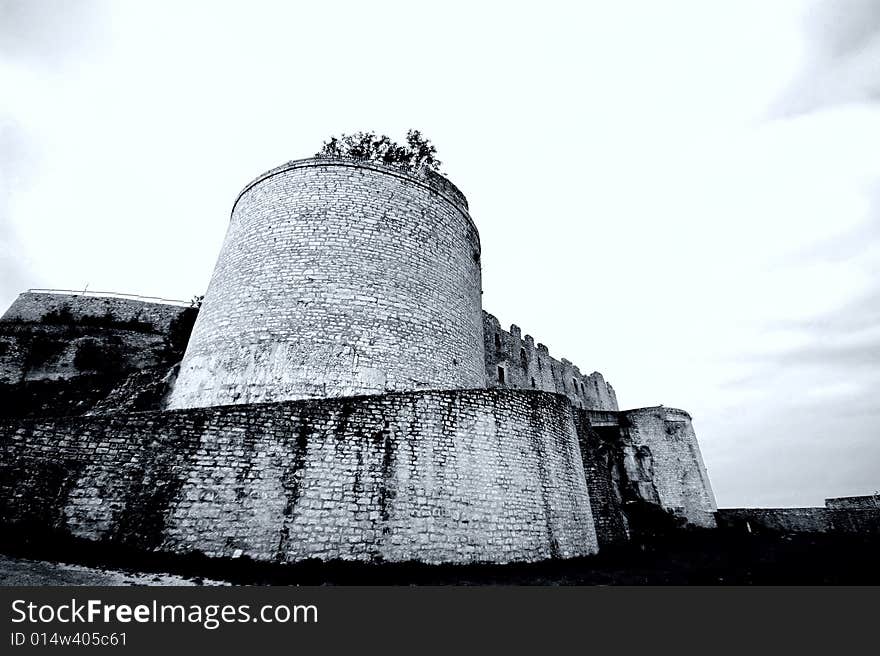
339 394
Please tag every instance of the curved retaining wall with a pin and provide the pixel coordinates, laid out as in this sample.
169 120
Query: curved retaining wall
675 465
336 278
458 476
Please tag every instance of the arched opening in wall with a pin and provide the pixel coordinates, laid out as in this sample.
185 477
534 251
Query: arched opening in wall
574 382
533 382
523 360
501 375
497 342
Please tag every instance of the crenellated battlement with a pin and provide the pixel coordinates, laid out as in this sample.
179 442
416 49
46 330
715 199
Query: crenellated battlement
515 361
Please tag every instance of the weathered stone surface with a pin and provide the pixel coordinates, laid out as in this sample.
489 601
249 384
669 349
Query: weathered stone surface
514 361
865 502
64 354
46 336
147 389
36 352
857 521
854 515
338 277
456 476
600 441
33 307
662 448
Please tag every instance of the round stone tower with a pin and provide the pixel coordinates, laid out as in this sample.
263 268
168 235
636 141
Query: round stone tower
339 277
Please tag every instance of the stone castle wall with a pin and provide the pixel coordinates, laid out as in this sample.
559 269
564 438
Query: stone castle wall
865 502
59 337
672 463
854 521
50 352
456 476
337 278
513 361
849 515
599 440
34 306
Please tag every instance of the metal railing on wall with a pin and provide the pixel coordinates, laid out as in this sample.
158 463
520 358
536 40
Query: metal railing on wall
130 297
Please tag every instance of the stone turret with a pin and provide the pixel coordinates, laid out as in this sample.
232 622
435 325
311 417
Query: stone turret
336 278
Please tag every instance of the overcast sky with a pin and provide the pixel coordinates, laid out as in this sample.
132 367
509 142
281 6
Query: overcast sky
684 196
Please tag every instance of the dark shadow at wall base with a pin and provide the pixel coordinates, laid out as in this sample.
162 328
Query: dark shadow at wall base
688 557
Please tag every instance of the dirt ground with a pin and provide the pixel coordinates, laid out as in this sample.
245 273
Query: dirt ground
21 571
701 558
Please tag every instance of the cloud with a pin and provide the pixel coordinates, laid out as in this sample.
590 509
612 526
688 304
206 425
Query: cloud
50 34
843 63
40 45
843 27
856 242
802 424
18 163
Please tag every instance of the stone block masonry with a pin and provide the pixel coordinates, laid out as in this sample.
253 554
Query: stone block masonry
50 336
853 521
454 476
66 354
35 306
662 447
513 361
338 278
600 443
848 515
866 502
40 353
